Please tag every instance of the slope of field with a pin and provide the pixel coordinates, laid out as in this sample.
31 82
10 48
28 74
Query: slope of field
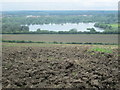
91 38
59 66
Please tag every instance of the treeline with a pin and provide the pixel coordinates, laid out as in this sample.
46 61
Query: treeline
55 42
14 28
57 12
61 32
57 19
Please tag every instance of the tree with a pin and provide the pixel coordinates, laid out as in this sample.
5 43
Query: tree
92 30
38 30
24 28
72 31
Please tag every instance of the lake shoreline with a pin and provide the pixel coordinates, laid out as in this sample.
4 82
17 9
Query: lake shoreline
64 27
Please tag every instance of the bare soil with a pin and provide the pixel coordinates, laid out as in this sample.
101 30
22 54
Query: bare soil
59 67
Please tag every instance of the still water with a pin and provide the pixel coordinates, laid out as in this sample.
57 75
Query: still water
65 27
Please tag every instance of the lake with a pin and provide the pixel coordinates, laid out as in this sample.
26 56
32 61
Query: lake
65 27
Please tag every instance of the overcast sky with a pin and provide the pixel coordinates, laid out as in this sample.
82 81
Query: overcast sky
59 5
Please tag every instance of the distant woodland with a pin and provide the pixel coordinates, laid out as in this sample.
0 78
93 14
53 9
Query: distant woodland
17 22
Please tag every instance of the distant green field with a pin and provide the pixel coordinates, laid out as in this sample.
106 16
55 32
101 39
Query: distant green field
114 25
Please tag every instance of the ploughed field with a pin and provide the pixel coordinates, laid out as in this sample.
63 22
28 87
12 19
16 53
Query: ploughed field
82 38
58 66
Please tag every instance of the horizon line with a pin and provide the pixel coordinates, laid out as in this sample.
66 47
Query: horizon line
64 10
